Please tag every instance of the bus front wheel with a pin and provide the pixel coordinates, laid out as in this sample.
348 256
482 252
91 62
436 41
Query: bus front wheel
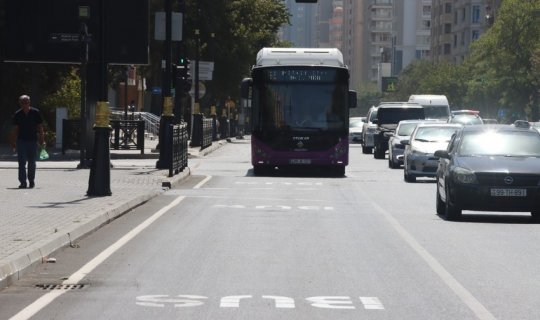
261 170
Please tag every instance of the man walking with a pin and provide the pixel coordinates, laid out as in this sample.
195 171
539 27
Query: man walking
28 129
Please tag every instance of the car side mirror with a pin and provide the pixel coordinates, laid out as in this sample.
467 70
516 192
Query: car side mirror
442 154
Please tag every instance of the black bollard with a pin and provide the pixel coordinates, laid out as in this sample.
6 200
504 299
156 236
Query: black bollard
100 171
165 149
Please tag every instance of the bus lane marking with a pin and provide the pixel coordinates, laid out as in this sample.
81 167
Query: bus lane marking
280 302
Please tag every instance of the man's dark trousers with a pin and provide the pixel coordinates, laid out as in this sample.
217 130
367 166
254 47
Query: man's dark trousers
27 152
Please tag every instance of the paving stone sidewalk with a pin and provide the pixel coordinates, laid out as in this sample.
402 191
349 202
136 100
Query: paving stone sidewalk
36 222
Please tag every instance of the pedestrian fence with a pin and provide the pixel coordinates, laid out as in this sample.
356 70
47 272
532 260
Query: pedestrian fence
178 135
127 135
202 131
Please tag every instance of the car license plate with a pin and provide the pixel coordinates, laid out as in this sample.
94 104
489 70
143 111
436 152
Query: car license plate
300 161
508 192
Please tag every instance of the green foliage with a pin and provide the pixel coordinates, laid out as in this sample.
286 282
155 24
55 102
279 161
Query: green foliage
368 95
67 95
425 77
502 62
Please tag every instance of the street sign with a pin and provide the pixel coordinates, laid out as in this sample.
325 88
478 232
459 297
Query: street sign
389 84
206 69
64 37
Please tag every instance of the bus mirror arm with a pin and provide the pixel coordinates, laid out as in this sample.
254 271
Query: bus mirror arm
352 99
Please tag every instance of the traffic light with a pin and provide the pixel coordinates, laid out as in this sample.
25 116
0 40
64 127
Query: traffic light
182 77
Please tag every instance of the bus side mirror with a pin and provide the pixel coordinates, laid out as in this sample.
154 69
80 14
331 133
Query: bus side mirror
352 99
245 88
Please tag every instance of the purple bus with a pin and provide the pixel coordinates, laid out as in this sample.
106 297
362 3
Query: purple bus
300 102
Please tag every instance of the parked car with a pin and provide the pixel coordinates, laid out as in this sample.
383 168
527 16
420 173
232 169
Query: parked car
489 168
395 147
418 158
368 130
466 119
355 129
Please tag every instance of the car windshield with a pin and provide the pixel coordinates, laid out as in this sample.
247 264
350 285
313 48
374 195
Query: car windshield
406 129
507 143
466 119
434 134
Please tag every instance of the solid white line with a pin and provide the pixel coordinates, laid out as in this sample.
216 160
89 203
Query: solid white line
205 180
46 299
465 296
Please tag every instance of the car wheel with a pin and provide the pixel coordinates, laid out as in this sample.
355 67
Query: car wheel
441 209
451 212
377 154
392 164
366 150
408 177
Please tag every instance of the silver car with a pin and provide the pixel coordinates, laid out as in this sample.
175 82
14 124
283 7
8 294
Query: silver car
395 147
368 131
419 159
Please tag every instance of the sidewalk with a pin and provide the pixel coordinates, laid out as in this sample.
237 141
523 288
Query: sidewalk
36 222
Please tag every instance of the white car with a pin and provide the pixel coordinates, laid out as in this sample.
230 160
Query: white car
356 125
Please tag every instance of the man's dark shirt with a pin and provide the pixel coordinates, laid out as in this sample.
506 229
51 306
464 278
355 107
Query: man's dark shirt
27 123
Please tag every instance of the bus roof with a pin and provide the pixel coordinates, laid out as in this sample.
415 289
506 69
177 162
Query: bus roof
300 57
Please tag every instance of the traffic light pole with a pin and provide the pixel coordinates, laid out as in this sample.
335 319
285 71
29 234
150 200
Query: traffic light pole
167 116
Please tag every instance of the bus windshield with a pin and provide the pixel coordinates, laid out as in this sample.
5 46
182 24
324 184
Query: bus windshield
301 99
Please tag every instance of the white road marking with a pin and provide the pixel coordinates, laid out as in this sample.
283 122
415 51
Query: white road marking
205 180
282 302
46 299
331 302
465 296
372 303
232 301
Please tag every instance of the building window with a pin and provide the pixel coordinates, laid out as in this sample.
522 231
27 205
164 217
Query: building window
463 14
447 28
476 14
426 10
447 48
475 34
447 8
426 24
455 40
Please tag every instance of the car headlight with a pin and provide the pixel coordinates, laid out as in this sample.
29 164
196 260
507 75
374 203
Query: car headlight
463 176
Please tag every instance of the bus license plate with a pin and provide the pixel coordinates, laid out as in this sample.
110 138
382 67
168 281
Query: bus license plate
508 192
300 161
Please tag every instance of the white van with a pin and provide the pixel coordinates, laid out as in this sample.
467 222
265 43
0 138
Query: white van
435 106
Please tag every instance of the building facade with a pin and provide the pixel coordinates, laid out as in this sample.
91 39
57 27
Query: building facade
456 24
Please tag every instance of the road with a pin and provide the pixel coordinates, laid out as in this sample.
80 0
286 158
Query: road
229 245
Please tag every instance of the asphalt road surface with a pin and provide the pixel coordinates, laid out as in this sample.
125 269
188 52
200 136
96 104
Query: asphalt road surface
229 245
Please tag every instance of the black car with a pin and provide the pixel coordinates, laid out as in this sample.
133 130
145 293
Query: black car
489 168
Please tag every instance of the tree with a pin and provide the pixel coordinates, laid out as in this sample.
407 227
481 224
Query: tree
502 61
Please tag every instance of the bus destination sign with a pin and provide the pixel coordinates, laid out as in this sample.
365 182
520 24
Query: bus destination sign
293 75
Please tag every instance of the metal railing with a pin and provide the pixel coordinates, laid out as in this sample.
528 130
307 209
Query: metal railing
127 135
178 134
